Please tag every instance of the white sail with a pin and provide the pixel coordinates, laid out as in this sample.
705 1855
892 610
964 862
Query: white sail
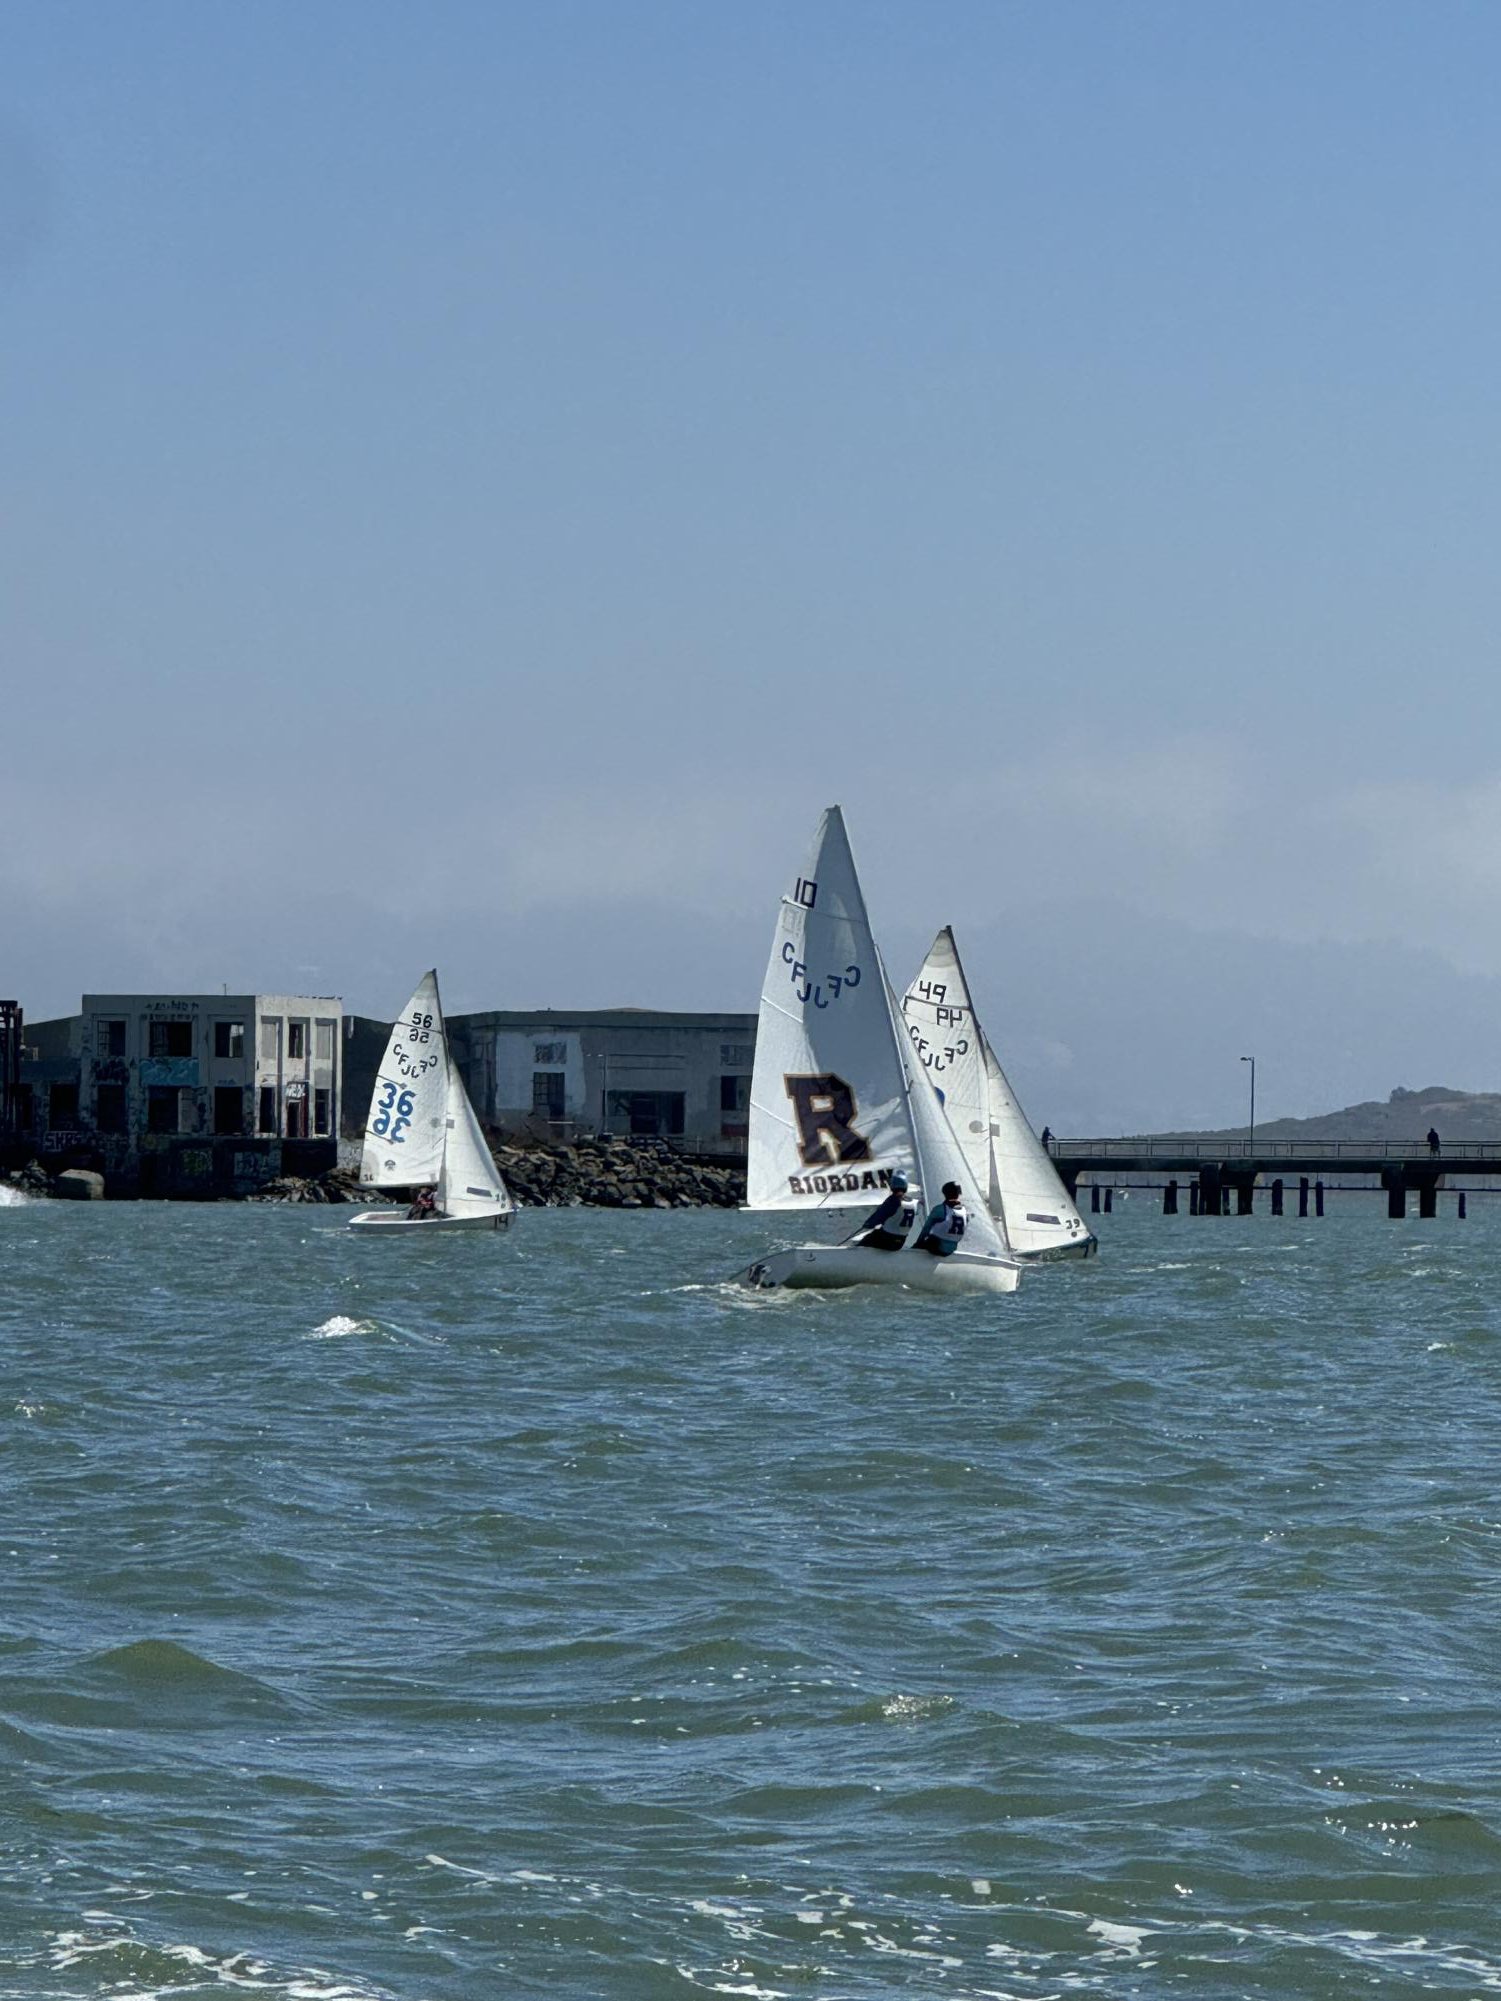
1006 1159
470 1183
945 1036
405 1128
940 1157
829 1121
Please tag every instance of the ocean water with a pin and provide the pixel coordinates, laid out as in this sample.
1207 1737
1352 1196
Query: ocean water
540 1616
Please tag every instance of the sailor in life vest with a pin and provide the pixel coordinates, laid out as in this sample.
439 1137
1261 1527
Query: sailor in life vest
945 1225
888 1228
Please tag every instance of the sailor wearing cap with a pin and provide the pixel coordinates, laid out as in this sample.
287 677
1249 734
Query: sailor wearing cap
887 1228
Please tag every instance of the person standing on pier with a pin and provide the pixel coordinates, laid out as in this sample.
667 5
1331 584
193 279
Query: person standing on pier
1432 1139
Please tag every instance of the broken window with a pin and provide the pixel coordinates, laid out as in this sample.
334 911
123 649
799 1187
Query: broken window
296 1038
169 1039
734 1094
266 1114
229 1105
62 1106
270 1037
162 1107
325 1047
229 1039
297 1118
646 1113
549 1052
320 1108
547 1094
109 1038
109 1107
737 1055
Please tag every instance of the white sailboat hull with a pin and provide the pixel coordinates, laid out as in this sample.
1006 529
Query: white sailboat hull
1051 1254
391 1220
838 1265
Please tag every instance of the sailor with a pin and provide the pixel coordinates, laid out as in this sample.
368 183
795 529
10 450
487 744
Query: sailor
945 1225
424 1207
887 1228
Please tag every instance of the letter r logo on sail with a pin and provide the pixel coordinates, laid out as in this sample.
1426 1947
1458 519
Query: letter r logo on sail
826 1110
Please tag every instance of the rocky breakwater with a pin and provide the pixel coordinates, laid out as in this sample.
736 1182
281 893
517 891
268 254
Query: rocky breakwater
617 1174
592 1174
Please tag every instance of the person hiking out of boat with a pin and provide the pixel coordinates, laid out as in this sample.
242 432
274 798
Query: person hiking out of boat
424 1206
887 1228
945 1225
1433 1139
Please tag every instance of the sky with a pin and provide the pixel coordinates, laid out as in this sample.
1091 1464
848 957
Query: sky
477 480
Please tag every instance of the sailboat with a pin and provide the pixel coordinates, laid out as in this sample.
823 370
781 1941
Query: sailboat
421 1131
1008 1165
840 1101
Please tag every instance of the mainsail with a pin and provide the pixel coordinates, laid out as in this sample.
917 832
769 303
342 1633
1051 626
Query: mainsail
839 1101
404 1131
1006 1161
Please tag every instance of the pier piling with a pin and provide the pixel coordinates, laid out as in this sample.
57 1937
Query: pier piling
1277 1198
1170 1199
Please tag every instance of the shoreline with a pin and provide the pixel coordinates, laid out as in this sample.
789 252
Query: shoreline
603 1173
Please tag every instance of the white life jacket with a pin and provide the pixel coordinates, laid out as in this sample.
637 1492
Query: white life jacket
951 1225
899 1222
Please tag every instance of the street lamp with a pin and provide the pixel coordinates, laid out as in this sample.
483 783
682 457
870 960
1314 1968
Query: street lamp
1251 1142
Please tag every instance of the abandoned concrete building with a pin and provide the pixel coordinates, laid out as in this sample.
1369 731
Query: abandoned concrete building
557 1075
184 1094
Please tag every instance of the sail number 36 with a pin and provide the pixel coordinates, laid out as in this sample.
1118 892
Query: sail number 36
393 1114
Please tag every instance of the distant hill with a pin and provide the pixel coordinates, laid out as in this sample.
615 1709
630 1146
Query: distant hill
1403 1119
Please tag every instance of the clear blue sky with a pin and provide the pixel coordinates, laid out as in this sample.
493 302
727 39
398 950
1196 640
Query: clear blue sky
477 480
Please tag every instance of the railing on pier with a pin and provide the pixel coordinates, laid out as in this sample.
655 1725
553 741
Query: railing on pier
1466 1152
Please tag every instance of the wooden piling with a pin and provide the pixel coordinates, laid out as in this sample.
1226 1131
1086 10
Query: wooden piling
1318 1198
1302 1194
1276 1198
1170 1199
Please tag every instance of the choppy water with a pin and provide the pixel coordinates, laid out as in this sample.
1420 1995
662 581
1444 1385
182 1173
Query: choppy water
486 1619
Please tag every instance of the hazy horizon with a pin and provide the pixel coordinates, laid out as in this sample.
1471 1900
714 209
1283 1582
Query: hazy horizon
478 484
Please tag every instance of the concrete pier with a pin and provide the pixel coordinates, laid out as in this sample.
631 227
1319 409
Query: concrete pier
1215 1174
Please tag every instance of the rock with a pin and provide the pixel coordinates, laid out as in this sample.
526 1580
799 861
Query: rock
79 1184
